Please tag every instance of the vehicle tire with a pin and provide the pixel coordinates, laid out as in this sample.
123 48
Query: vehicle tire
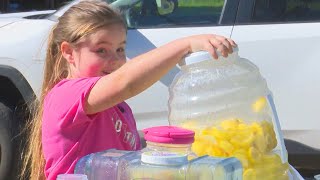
6 151
176 4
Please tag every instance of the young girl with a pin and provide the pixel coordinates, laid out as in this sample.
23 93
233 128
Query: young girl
86 81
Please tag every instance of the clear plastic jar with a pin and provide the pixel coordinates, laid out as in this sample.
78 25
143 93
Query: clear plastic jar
229 106
169 139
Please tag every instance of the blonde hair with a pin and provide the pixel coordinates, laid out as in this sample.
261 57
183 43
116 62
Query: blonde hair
76 23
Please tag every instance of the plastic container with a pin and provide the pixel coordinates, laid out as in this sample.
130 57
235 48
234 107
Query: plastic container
229 106
72 177
151 165
176 167
169 139
106 164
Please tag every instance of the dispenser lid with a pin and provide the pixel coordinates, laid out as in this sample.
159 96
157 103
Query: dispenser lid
196 57
200 56
169 135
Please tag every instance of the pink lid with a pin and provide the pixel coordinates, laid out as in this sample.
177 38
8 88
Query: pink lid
169 135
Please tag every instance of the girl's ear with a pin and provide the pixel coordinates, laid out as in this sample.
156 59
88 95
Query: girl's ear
67 51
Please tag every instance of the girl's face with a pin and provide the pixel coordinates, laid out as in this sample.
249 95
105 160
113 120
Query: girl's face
99 54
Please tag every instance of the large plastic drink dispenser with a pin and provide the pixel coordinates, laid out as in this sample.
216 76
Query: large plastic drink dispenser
229 106
165 157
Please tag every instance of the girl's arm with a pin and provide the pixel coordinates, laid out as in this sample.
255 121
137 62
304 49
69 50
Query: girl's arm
141 72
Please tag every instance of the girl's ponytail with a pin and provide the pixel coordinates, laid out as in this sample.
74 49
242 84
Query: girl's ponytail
76 23
33 159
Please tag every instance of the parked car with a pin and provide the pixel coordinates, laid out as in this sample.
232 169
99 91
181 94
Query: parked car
280 36
30 14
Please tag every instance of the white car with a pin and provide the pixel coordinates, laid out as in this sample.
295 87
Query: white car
282 37
30 14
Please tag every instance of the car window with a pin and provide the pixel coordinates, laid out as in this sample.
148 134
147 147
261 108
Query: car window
67 5
174 13
286 11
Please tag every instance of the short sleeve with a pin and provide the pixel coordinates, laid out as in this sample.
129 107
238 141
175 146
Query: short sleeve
65 102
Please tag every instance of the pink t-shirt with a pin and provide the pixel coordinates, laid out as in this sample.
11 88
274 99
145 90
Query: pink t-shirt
69 134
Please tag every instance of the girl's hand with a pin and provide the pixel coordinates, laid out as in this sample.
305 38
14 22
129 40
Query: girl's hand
212 43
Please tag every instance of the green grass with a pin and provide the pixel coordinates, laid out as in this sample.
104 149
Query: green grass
201 3
312 5
196 3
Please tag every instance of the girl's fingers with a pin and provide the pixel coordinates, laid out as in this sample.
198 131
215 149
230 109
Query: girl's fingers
220 46
226 43
232 42
214 44
229 43
211 50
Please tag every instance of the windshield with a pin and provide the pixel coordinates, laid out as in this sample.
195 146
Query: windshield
114 3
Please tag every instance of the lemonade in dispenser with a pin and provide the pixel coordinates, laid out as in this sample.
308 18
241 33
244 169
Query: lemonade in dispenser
229 106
